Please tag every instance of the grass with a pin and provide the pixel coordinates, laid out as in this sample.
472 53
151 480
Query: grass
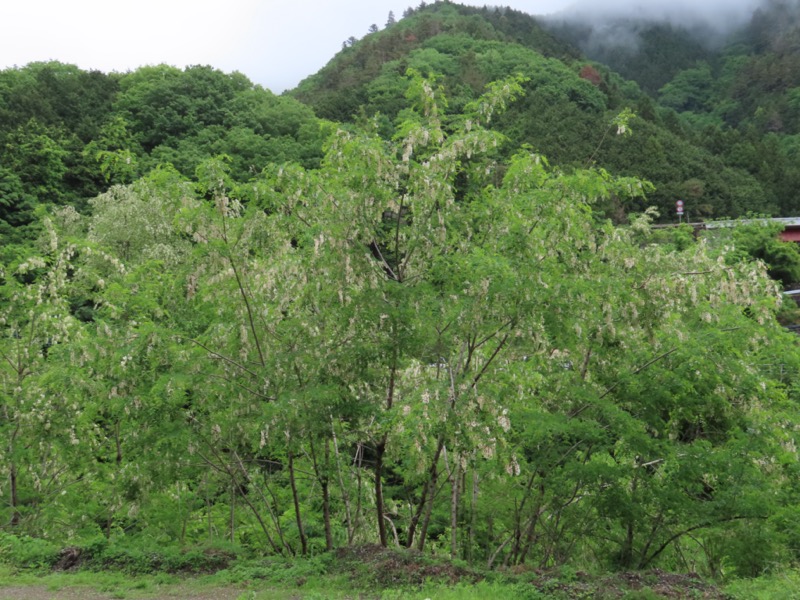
115 584
364 573
781 586
257 580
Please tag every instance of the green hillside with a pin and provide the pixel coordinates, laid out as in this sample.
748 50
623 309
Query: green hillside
568 107
67 134
736 91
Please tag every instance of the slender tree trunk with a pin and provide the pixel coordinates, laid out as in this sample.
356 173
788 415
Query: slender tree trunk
380 449
455 480
298 518
326 500
359 492
518 520
626 552
263 525
473 515
233 512
530 534
184 513
345 495
208 511
14 497
412 525
423 500
322 477
264 528
253 509
423 532
118 443
517 535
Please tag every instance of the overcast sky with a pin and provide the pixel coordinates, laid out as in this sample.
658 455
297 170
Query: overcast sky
276 43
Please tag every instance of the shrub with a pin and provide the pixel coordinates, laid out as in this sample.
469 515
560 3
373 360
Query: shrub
27 552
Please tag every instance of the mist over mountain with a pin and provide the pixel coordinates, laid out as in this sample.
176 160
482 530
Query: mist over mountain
602 29
720 15
650 42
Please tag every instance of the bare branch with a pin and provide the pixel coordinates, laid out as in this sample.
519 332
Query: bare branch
221 356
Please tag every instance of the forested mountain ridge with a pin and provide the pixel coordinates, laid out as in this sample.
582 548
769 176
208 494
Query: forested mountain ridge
569 103
67 134
434 38
741 76
718 133
735 89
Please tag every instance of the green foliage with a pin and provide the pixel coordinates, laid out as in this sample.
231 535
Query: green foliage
27 552
66 135
16 205
761 241
767 587
690 90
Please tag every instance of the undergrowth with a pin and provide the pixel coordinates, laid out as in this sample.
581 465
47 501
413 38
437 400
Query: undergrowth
136 566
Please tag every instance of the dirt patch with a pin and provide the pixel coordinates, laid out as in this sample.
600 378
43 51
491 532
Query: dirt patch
388 567
672 586
40 592
190 562
69 559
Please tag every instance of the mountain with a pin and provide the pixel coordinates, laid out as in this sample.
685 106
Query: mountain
717 113
703 67
66 134
669 78
735 84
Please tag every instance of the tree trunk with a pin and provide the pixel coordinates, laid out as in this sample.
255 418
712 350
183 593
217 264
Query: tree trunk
345 495
428 510
233 513
455 480
296 499
423 500
473 515
14 498
322 477
380 449
530 534
118 443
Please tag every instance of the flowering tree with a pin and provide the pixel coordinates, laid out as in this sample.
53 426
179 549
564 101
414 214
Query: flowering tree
421 343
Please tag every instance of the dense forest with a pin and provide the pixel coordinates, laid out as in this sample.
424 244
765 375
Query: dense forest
418 301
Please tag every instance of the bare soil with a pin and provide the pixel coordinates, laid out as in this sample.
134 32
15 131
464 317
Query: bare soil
36 592
390 568
670 586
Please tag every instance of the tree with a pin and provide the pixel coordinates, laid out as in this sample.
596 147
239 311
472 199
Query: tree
42 433
426 339
115 151
37 155
760 241
16 205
